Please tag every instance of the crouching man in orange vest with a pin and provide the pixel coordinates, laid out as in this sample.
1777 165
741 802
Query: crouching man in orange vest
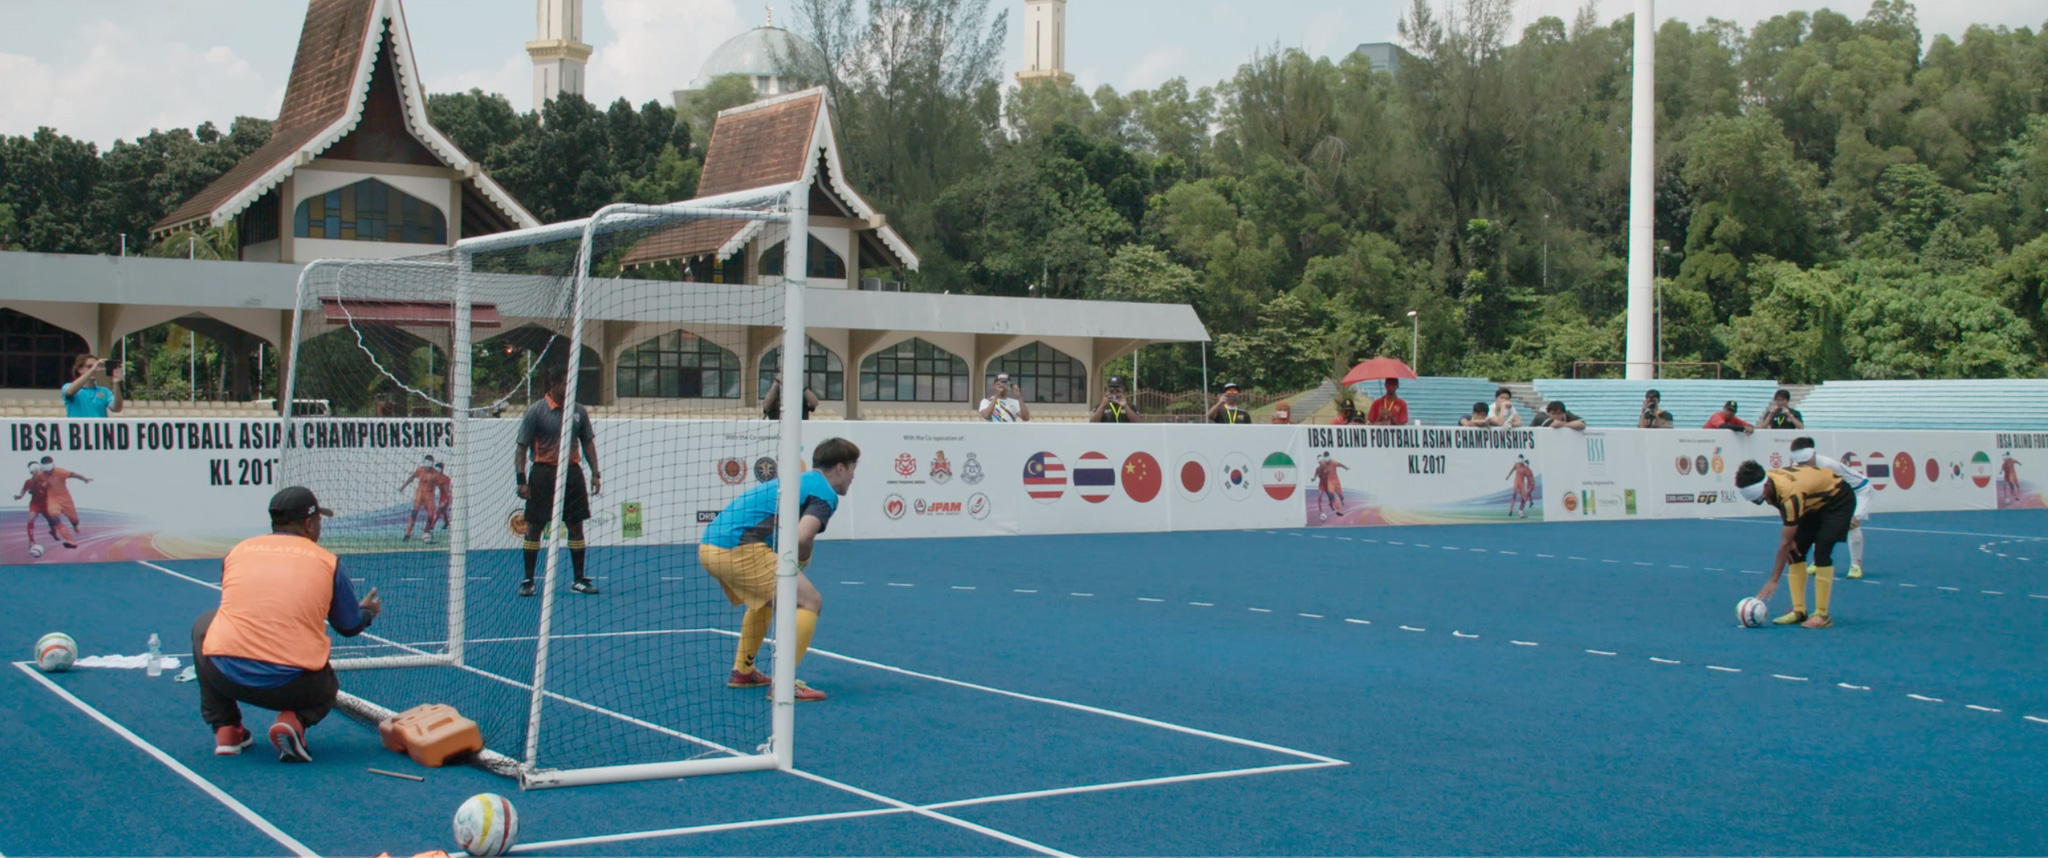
265 645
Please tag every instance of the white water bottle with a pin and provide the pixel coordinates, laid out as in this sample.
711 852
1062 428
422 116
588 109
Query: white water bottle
156 655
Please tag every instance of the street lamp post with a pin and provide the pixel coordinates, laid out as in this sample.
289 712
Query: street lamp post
1415 343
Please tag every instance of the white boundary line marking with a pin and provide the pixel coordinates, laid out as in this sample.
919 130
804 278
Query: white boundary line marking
2037 719
1724 669
1983 708
977 828
1925 699
1774 522
218 794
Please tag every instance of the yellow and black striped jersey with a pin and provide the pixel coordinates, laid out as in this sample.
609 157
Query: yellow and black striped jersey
1804 490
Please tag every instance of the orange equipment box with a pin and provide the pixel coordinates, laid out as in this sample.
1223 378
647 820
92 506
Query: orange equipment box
431 734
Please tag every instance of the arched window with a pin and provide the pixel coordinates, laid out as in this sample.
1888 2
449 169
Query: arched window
35 353
679 365
370 210
823 262
1044 374
913 371
823 373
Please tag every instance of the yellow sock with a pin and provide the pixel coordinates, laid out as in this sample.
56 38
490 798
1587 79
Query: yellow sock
806 622
753 628
1823 588
1798 575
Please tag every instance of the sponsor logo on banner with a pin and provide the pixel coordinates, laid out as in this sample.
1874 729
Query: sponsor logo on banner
1586 497
1699 463
1709 497
1191 477
764 469
1684 465
1571 502
1094 477
1980 469
1879 471
1719 464
1902 471
979 506
1045 479
1596 456
732 472
707 516
1672 498
1277 476
1728 496
906 464
1777 460
942 470
970 470
894 507
1236 476
1628 500
1141 477
932 507
1933 470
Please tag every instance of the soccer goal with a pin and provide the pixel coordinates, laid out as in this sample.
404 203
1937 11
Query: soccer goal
438 372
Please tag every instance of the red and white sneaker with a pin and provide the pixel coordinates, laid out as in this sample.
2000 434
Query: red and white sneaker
290 739
804 693
749 679
231 740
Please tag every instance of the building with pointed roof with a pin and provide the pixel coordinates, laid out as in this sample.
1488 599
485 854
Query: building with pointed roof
352 169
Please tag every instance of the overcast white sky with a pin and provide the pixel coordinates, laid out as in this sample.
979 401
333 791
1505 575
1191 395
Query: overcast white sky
108 69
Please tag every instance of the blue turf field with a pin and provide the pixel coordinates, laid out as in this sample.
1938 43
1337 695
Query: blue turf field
1557 689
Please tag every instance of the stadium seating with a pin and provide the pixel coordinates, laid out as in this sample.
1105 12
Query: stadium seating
1435 400
1986 404
1613 402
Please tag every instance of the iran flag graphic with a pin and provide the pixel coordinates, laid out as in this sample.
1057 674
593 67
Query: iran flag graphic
1277 476
1094 477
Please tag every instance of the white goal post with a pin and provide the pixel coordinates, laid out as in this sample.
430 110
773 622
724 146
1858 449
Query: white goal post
446 646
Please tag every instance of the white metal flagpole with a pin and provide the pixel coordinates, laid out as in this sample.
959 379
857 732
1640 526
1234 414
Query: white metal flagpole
1642 198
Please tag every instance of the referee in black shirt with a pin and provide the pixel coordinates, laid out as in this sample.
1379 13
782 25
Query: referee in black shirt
540 431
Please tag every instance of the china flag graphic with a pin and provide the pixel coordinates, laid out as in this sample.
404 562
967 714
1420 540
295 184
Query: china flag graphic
1277 476
1141 477
1094 478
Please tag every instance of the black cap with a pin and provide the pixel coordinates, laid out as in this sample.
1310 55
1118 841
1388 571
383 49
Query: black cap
1116 381
1653 394
1231 385
296 503
1730 405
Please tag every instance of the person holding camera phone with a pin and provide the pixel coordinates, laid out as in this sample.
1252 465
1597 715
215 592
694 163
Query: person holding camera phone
1780 414
1653 417
1114 408
1227 409
84 396
1004 403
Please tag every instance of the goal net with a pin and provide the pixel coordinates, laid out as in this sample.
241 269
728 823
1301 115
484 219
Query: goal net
428 412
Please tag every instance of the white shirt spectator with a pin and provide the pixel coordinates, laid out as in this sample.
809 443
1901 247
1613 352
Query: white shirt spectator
1503 414
1002 404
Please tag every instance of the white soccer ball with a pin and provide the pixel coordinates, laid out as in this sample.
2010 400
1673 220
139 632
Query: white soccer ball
55 652
486 824
35 549
430 538
1325 517
1751 612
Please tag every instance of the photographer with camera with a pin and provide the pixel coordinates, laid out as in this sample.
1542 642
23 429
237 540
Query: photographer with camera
84 396
1004 403
1228 408
1653 417
1114 408
1780 414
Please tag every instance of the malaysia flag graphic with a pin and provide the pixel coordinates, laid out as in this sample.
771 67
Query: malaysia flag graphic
1045 479
1094 477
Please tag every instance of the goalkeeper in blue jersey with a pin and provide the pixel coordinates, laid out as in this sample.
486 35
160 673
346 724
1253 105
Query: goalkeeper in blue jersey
1803 453
739 550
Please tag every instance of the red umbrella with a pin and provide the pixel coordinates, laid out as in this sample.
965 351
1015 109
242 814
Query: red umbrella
1376 369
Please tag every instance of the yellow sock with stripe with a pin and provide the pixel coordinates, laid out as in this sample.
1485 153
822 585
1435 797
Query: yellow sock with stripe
1823 589
806 623
753 630
1798 575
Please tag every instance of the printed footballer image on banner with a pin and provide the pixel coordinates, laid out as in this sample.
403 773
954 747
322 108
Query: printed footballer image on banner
2020 470
1383 475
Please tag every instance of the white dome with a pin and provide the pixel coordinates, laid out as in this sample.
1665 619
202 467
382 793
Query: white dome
762 52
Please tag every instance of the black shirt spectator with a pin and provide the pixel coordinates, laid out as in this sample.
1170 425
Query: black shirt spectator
1226 409
1780 414
1114 408
1477 418
771 405
1653 417
1560 418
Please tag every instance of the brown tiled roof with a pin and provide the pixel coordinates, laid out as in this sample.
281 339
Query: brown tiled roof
696 238
323 77
755 147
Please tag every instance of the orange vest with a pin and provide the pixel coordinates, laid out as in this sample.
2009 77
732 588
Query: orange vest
274 594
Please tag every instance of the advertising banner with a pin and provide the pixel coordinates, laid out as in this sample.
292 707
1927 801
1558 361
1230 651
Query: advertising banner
1919 471
2017 466
1596 475
1232 477
1379 475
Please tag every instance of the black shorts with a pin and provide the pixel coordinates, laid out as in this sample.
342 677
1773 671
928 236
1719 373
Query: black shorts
1823 530
540 495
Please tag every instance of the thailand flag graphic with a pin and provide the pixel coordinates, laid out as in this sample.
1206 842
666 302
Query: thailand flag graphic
1094 477
1044 477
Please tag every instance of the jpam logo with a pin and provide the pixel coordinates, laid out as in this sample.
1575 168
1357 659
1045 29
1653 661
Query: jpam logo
925 507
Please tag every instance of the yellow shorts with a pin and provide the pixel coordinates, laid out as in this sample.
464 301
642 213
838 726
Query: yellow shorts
747 573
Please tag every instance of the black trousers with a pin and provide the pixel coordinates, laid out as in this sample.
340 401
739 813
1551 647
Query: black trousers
311 696
1823 531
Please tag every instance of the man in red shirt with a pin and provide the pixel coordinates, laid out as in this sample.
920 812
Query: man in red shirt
1726 419
1388 410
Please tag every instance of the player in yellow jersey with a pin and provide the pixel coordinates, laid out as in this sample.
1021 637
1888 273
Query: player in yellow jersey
1817 507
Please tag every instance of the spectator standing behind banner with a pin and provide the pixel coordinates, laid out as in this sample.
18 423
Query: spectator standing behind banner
771 405
1780 414
1559 418
1003 405
1227 409
83 395
1113 408
1283 413
1726 419
1388 410
1653 417
1347 414
1503 414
